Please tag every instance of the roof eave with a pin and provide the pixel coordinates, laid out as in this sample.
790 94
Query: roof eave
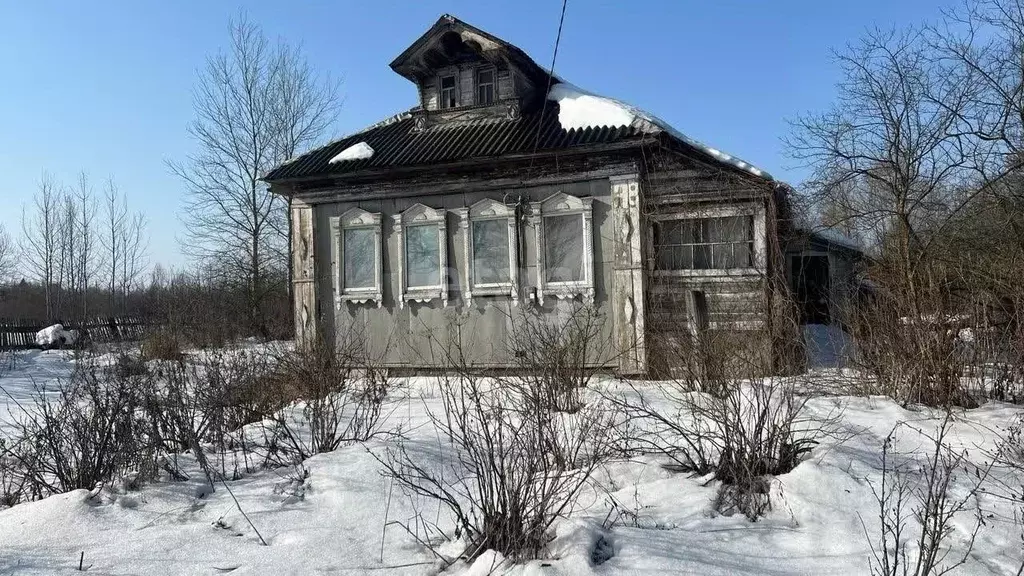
370 174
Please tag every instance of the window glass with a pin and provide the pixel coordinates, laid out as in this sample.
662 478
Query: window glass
490 252
422 256
448 92
563 248
359 255
704 243
485 86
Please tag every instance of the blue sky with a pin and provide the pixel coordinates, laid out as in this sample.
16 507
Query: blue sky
105 87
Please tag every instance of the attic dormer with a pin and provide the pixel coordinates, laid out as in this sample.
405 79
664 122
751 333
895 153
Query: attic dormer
463 72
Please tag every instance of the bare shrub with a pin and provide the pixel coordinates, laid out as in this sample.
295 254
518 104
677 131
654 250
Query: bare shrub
556 353
208 400
916 508
511 468
161 344
720 415
341 392
90 433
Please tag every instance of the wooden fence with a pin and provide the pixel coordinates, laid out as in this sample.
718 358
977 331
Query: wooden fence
22 333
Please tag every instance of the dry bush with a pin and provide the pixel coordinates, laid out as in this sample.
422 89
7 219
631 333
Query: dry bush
208 400
510 468
556 353
916 507
89 434
720 415
161 344
341 392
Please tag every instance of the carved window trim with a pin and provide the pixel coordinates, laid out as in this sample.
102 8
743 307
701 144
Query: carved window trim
420 215
562 204
482 211
355 219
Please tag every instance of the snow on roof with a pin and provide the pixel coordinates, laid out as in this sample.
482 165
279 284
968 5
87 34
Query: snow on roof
579 109
358 151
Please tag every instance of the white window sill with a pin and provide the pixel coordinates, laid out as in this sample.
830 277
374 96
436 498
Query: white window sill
359 297
423 295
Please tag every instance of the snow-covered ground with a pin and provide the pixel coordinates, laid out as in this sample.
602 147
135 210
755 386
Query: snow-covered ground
342 518
26 372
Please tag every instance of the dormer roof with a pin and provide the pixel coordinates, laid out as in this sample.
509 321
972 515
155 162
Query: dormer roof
451 41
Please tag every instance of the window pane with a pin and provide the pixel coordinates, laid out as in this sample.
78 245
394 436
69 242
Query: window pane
490 252
422 256
448 92
359 255
674 258
701 256
723 256
563 248
744 254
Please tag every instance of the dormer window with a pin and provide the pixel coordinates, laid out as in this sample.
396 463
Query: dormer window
449 97
485 86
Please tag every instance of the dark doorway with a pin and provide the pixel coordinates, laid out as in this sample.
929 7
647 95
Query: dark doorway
811 287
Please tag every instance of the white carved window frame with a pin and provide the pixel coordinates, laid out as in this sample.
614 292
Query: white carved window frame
760 256
488 210
420 215
356 219
562 204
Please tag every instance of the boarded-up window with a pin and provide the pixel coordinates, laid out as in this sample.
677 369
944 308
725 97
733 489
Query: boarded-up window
490 252
422 256
704 243
449 93
359 257
563 248
485 86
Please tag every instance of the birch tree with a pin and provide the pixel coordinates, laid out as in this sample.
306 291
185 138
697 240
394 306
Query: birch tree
40 223
124 246
7 255
256 104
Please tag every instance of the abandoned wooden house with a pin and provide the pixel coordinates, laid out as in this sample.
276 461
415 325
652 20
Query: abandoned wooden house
506 190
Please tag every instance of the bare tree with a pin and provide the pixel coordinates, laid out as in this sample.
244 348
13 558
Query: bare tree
124 245
7 255
891 153
40 227
255 105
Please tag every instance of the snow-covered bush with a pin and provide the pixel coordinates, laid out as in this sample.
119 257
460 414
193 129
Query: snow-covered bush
90 433
510 470
917 505
722 416
56 336
340 392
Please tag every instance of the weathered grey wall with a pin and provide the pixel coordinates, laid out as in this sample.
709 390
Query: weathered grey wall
416 334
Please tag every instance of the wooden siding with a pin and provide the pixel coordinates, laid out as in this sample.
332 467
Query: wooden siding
413 335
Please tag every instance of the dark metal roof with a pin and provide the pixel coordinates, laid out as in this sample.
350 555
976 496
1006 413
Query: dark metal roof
396 143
